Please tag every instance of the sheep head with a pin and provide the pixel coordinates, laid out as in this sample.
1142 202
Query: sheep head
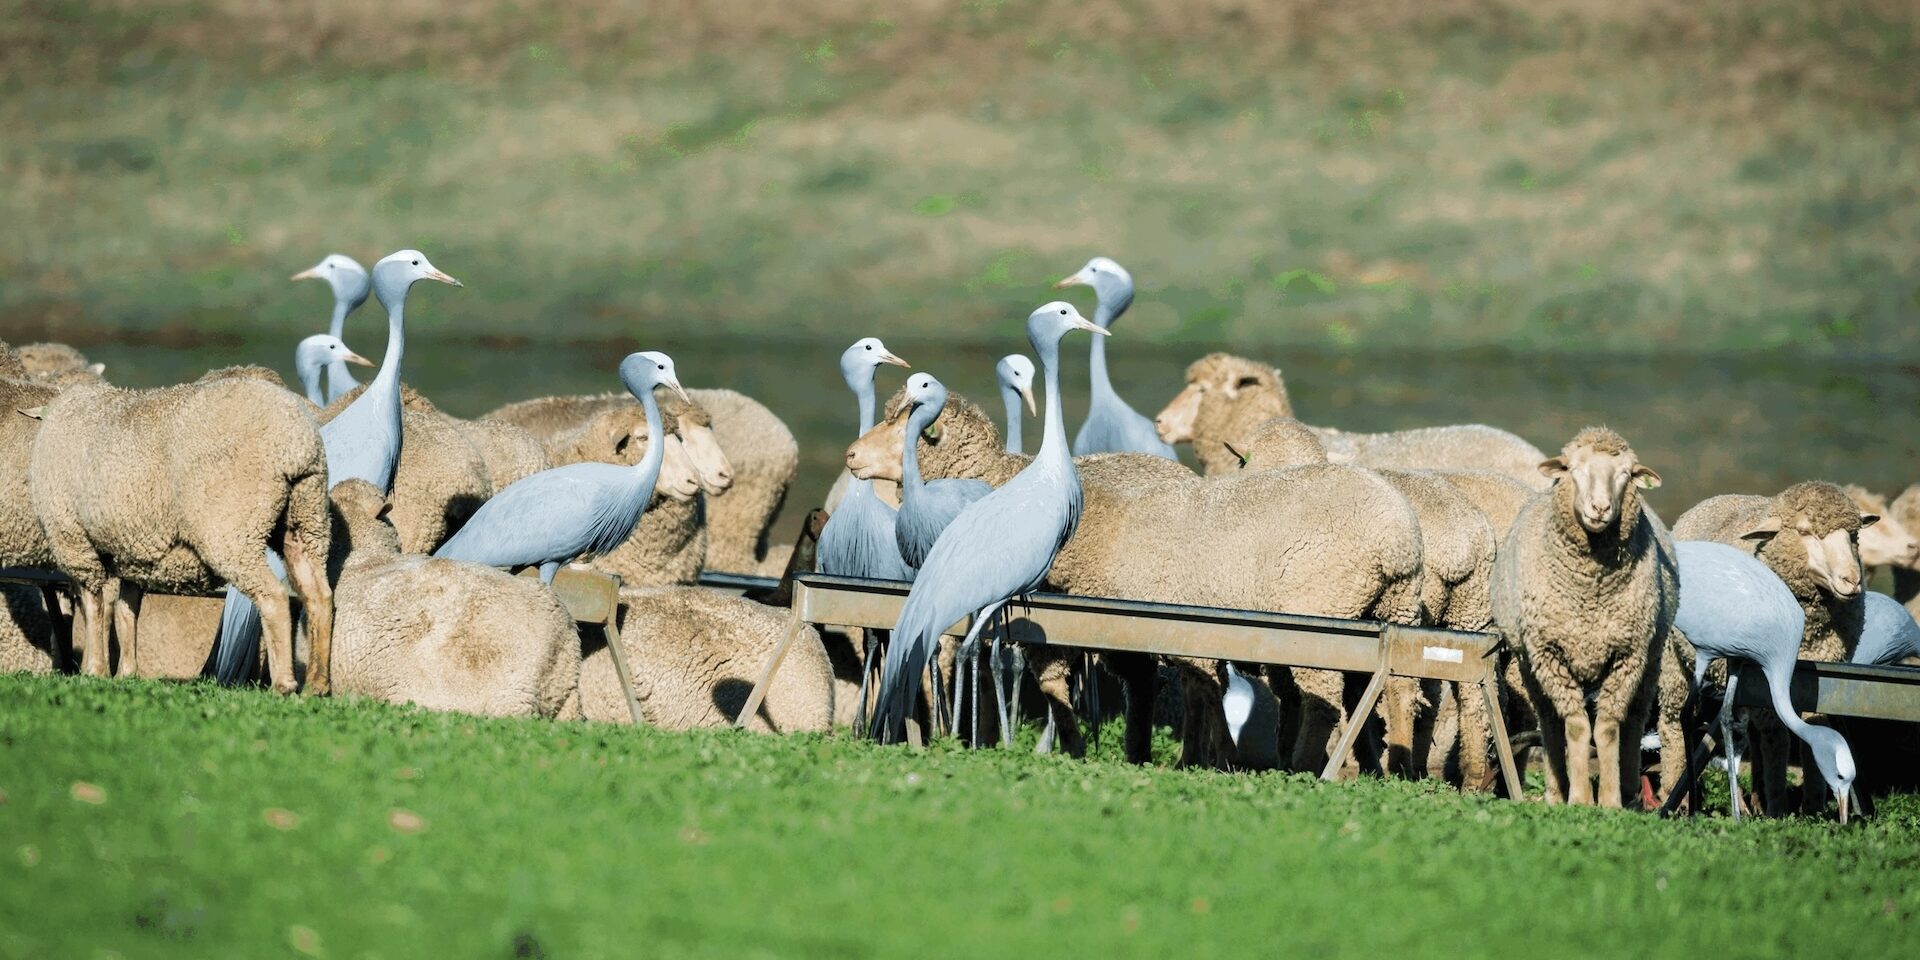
1221 388
1279 443
679 478
1600 470
361 513
696 435
1888 542
619 435
1822 524
962 434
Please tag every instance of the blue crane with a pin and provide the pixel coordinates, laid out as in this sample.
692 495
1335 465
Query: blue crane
350 285
1111 425
581 509
998 548
1015 372
314 356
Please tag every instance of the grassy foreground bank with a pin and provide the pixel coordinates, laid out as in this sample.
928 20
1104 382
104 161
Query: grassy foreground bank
1549 174
152 820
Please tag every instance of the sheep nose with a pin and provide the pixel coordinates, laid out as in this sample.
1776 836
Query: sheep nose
849 456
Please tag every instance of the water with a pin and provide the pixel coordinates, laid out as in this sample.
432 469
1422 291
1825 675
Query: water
1706 425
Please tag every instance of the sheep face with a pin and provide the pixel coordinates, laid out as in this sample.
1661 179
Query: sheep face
1216 383
876 455
1888 542
1599 473
1832 556
709 462
678 477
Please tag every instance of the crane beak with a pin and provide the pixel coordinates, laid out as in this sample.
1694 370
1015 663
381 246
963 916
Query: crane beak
1072 281
678 391
311 273
896 361
443 278
1082 323
1845 795
352 357
1027 392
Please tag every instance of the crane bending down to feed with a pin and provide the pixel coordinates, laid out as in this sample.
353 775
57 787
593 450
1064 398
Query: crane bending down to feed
1733 606
317 354
996 549
858 540
1888 634
927 507
350 284
582 508
362 443
1016 383
1111 425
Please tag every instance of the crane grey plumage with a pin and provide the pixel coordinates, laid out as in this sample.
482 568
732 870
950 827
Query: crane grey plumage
312 358
926 506
350 284
998 548
1733 606
581 509
858 540
362 443
1111 425
1015 372
1889 634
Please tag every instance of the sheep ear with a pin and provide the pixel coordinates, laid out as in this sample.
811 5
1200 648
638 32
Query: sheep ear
1868 520
1553 468
34 413
99 369
1644 477
1764 530
1236 453
1232 387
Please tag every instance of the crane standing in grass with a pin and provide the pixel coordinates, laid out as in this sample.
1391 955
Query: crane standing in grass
350 284
1734 606
551 517
998 548
1111 425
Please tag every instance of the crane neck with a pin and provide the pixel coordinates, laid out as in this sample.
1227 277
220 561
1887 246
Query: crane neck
389 374
1105 312
1053 431
649 466
1779 687
310 379
341 307
922 416
1015 443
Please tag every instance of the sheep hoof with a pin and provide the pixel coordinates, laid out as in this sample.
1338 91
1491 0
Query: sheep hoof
285 688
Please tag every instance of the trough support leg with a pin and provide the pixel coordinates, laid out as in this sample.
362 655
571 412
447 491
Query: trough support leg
794 623
1502 744
618 651
1356 720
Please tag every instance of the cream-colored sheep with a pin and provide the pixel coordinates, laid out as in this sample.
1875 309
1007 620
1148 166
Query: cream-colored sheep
1809 535
22 543
1226 395
440 633
765 460
557 422
59 364
26 633
695 655
1906 580
1888 543
11 366
441 478
1329 540
180 488
508 450
1457 549
1586 589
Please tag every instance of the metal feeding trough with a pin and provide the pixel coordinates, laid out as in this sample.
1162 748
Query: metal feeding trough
1381 650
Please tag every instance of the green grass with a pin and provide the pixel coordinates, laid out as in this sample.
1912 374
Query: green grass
1539 175
152 820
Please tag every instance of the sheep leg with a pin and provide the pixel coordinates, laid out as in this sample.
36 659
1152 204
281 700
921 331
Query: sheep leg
93 616
1056 684
1321 694
1554 734
255 578
309 574
1770 766
1138 675
126 614
1402 709
1474 732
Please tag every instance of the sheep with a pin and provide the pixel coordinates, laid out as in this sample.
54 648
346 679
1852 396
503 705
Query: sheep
695 655
1227 395
57 363
765 459
440 479
509 451
557 421
1888 543
26 632
669 544
1327 539
179 488
11 366
1457 549
1808 534
22 542
440 633
1586 588
1906 580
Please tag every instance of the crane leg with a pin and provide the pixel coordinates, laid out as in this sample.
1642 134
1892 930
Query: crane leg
547 570
973 694
866 676
1019 671
1732 749
1000 685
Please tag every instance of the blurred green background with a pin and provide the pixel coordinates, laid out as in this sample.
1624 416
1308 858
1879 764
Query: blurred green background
1439 196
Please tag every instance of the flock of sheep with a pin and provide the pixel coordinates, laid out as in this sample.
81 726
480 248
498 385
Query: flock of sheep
150 499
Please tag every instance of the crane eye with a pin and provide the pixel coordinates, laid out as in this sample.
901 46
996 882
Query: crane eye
1063 313
416 263
869 346
659 366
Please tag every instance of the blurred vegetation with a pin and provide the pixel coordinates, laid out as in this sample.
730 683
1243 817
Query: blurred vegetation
144 819
1548 174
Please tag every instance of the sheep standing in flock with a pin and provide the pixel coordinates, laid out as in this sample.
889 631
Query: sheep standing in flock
1464 526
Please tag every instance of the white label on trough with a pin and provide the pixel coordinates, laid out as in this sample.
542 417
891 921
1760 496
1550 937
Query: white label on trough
1444 654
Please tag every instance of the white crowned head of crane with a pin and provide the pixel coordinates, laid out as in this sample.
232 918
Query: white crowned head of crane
1835 759
860 360
349 280
1016 371
643 371
1827 523
925 391
1600 465
1052 321
396 272
316 352
1111 283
